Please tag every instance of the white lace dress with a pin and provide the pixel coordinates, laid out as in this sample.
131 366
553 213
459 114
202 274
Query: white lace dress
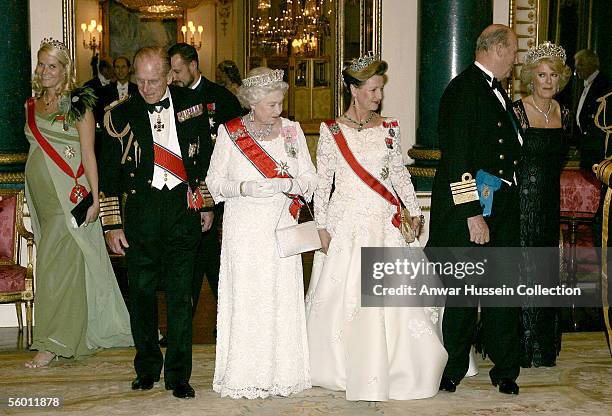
262 348
371 353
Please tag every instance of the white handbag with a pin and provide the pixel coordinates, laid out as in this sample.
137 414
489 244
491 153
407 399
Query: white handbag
297 238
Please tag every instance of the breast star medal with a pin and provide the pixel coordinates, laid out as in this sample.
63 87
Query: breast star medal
69 152
282 169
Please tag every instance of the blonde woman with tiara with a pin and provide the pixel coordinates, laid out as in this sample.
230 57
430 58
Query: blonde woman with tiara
78 305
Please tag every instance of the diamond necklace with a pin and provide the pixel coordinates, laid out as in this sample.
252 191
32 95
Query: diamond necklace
545 114
360 124
249 123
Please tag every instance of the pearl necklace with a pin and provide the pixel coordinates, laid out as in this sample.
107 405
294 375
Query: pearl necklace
360 124
257 134
546 113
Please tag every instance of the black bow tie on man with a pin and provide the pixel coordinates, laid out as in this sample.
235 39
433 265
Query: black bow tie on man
152 108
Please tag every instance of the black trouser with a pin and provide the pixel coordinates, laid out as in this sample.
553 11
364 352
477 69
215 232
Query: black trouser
500 325
208 260
163 236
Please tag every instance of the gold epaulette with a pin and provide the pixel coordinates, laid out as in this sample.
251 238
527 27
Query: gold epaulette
116 103
465 190
110 213
209 202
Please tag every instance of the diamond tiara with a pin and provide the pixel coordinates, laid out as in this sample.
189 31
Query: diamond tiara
364 61
54 43
545 50
264 79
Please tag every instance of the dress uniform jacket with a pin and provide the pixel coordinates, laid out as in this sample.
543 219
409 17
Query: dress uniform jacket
592 140
126 162
475 132
161 229
108 95
221 104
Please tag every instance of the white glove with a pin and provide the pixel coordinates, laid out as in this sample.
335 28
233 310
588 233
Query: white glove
230 189
281 184
258 189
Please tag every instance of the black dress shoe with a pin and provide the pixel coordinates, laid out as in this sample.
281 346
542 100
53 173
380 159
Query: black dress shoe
181 389
448 384
143 382
506 386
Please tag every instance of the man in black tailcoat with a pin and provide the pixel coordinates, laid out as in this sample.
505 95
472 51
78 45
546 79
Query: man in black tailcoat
222 106
591 139
154 205
477 130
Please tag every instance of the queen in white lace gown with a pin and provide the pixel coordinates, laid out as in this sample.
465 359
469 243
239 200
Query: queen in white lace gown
262 348
371 353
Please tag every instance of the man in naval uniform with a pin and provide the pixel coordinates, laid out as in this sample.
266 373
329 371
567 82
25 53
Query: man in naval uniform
154 205
478 131
222 106
116 90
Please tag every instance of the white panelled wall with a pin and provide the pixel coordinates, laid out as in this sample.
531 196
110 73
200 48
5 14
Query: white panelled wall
399 49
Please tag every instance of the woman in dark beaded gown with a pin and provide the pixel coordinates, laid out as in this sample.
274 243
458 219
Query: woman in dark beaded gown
543 129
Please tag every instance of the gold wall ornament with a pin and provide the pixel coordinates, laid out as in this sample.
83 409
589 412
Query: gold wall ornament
224 10
12 158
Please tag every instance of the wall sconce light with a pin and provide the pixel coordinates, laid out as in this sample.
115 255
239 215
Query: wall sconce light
92 44
191 37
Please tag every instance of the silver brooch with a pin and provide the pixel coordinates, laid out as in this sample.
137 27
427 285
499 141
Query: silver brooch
384 174
69 152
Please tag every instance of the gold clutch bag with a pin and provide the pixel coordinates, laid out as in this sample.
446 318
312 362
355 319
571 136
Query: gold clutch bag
405 226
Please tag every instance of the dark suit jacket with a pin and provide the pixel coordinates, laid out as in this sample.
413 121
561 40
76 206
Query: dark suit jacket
475 132
592 139
126 167
221 103
109 94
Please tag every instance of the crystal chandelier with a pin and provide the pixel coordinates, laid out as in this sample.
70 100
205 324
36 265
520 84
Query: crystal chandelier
160 9
300 26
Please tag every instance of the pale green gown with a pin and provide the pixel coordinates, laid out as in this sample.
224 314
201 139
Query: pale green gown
78 306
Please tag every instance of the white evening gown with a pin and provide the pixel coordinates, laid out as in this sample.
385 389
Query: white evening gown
373 354
262 348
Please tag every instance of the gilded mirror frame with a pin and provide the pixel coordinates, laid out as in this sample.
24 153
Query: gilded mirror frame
370 21
69 35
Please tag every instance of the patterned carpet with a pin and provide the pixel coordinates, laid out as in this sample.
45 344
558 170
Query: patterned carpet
581 384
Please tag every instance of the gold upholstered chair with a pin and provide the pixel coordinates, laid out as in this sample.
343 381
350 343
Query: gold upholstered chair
16 281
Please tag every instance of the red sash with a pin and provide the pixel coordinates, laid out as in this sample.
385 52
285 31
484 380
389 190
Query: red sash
173 163
258 157
363 174
78 191
167 160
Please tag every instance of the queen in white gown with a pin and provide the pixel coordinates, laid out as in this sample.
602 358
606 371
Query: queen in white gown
373 354
262 348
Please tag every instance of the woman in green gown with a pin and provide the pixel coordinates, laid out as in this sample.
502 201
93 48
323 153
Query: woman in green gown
78 305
